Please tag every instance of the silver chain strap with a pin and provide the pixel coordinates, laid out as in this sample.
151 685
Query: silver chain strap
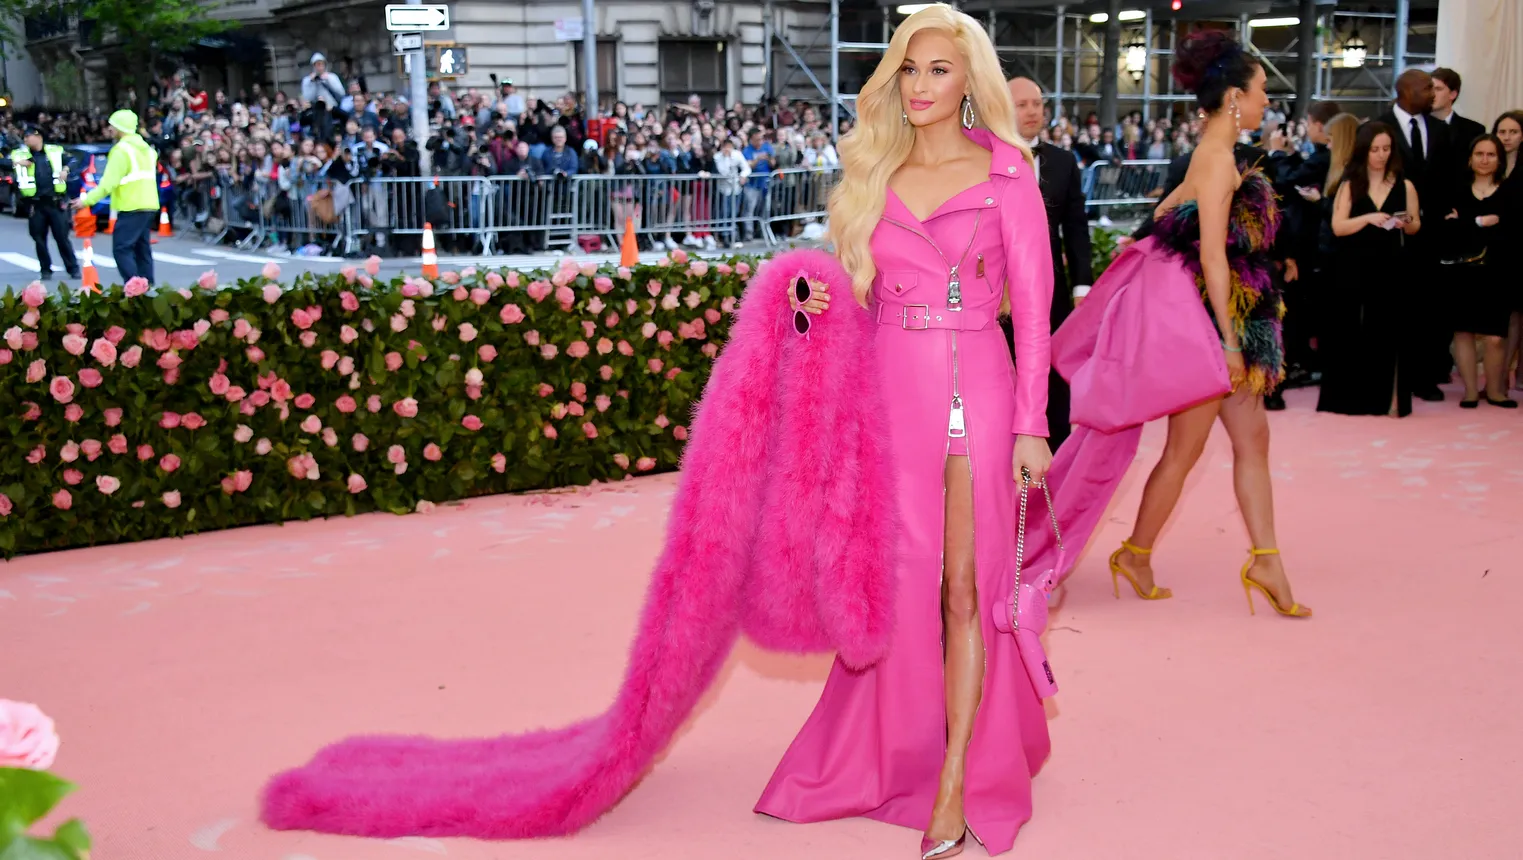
1020 539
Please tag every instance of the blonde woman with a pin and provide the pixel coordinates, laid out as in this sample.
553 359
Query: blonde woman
938 221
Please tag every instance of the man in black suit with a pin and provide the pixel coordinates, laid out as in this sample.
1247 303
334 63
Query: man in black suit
1424 146
1462 130
1059 177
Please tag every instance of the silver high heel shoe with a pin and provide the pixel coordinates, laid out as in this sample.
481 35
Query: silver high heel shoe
931 849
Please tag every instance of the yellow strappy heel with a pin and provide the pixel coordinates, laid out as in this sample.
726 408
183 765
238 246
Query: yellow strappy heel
1118 571
1296 610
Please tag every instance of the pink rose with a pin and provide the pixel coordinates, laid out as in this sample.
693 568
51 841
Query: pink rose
590 430
398 323
6 356
645 464
5 510
606 372
37 454
345 404
467 332
450 277
474 377
330 437
349 301
406 407
241 328
345 366
654 365
262 447
115 334
91 448
602 402
558 411
471 422
589 328
487 353
724 268
243 434
538 290
219 384
145 452
711 315
654 288
280 391
432 453
574 408
460 294
648 330
566 297
679 256
742 269
34 295
308 339
208 280
577 349
73 412
549 351
625 348
347 334
236 393
189 339
372 265
698 269
549 432
301 319
622 461
481 296
531 337
395 455
511 314
136 287
107 484
103 351
33 411
169 420
171 499
169 462
603 285
254 354
630 306
90 377
579 391
625 273
545 390
669 302
132 356
311 424
169 360
74 344
271 271
366 282
36 370
393 361
73 477
710 350
373 403
679 433
117 444
360 441
356 484
113 415
28 341
662 421
304 401
62 389
271 292
672 373
494 280
69 452
664 337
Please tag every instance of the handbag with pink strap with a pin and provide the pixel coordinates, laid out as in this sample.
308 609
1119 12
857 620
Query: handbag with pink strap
1024 612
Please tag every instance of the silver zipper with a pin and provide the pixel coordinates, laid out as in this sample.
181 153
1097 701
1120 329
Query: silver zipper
954 282
956 425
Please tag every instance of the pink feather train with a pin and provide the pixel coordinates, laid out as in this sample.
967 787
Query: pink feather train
782 528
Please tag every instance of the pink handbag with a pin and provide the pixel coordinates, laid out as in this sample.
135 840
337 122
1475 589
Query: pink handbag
1024 612
1142 345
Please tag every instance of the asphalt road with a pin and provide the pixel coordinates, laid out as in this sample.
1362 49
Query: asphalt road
179 260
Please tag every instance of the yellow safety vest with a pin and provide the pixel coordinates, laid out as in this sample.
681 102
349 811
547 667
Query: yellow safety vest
26 179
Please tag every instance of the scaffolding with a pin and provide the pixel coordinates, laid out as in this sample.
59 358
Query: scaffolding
1061 46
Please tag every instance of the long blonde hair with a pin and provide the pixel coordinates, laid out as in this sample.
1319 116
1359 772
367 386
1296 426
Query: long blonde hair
1342 129
881 141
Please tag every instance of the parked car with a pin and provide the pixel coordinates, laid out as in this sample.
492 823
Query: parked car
87 164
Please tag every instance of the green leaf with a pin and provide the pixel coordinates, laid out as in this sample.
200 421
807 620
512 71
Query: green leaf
25 797
72 835
30 848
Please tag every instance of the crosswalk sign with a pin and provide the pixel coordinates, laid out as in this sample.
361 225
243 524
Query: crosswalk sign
450 62
442 61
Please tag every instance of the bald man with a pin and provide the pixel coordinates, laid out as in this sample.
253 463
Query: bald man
1067 227
1425 160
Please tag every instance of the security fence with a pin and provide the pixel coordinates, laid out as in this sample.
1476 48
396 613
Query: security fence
524 214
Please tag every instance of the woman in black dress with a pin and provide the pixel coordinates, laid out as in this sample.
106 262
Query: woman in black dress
1508 129
1474 231
1374 210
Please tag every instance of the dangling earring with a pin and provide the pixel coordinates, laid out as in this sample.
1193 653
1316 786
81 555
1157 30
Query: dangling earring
904 118
1237 116
968 116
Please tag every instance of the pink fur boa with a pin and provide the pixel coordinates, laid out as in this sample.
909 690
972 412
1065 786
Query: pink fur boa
781 528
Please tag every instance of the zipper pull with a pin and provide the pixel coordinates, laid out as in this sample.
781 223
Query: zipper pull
954 291
981 265
956 427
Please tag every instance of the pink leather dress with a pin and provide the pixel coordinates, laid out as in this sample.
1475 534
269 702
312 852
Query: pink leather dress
875 743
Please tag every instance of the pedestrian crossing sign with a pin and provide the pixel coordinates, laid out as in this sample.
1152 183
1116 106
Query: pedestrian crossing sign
443 60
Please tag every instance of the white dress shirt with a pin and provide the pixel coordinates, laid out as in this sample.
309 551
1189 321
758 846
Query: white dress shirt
1404 125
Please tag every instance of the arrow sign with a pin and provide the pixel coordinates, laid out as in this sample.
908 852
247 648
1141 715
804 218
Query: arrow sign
403 43
417 17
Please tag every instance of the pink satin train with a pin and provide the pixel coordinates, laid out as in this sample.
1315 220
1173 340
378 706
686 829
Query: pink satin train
779 530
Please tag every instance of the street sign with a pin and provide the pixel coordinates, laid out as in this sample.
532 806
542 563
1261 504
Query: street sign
440 60
449 62
568 29
404 43
417 17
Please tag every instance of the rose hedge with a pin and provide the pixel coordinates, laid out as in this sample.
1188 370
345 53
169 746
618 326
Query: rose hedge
134 415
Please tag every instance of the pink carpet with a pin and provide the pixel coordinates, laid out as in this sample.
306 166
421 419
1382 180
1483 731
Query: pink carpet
182 673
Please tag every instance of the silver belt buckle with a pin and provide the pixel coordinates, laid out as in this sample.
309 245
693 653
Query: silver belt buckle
925 319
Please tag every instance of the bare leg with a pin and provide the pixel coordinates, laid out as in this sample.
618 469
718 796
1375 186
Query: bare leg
1464 356
1510 358
1248 426
1188 431
1496 374
964 648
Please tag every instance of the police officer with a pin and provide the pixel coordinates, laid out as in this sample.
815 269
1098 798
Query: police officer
42 179
129 181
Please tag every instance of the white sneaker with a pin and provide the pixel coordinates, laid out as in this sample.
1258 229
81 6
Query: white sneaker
709 244
692 241
670 245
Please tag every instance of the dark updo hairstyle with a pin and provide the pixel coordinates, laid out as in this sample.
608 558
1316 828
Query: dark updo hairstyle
1210 62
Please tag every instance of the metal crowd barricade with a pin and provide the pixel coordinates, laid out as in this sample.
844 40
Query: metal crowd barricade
657 204
1128 183
458 209
798 195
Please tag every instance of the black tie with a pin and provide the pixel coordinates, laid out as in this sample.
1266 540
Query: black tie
1419 156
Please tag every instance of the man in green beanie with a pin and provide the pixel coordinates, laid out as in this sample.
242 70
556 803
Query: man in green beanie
130 182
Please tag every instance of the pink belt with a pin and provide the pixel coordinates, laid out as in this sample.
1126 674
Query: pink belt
921 317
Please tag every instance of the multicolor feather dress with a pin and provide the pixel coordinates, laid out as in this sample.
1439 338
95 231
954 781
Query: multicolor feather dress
1255 302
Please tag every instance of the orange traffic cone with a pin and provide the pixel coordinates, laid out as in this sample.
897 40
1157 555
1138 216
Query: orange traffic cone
629 249
164 222
111 225
89 279
430 259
